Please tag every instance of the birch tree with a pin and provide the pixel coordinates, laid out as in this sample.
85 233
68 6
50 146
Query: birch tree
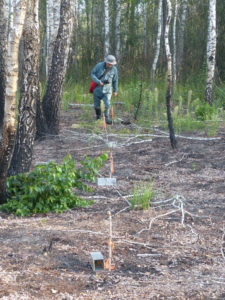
117 29
106 44
23 150
169 76
174 46
211 52
52 25
9 121
53 95
158 40
3 49
181 36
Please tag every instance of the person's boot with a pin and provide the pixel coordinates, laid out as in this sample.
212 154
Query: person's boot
98 113
107 120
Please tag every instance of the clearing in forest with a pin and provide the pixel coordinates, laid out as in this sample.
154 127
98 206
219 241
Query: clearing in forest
172 250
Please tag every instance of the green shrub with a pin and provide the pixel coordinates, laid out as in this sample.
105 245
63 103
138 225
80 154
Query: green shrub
204 111
142 196
51 187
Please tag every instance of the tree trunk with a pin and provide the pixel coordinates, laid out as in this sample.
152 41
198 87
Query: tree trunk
53 95
169 79
99 34
117 30
106 45
23 150
52 25
88 46
159 34
3 51
211 52
145 30
181 36
174 47
9 121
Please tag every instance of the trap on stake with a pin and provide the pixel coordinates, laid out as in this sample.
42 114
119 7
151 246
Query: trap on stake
108 181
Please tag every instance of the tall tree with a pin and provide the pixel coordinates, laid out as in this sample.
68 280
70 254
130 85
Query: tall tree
211 52
88 30
145 29
53 95
158 40
175 46
3 49
23 150
181 35
117 29
106 44
9 121
169 76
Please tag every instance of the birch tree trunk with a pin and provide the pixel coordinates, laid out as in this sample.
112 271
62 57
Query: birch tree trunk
174 46
9 121
23 150
106 44
53 95
211 52
169 74
117 30
159 34
3 51
52 25
181 36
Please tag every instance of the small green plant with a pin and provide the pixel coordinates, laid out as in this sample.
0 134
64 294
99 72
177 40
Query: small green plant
142 196
51 187
204 111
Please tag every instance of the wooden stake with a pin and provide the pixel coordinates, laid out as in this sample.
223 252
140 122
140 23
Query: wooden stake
104 125
112 113
110 240
112 164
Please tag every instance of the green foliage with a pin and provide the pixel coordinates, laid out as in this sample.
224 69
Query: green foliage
142 196
204 111
51 186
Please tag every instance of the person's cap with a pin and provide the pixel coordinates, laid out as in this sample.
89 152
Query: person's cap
110 59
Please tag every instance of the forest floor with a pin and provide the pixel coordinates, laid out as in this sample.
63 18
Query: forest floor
173 250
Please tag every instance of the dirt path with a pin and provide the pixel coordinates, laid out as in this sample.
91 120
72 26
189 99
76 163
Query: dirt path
179 257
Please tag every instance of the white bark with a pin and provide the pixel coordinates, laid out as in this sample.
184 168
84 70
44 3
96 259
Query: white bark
9 121
52 25
106 44
3 51
174 46
211 52
117 29
167 45
26 129
159 34
12 63
169 76
181 35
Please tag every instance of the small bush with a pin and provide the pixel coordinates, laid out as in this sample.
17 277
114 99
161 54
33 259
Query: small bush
142 196
51 187
204 111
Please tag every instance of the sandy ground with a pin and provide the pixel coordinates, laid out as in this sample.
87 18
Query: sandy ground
173 250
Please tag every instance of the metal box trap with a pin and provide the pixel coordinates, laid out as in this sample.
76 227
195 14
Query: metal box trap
97 261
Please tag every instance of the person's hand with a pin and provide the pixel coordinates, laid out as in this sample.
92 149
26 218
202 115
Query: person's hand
101 84
115 94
